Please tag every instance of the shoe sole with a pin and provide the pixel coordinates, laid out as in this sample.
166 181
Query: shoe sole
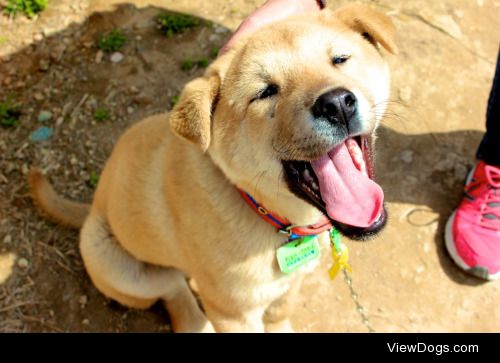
478 271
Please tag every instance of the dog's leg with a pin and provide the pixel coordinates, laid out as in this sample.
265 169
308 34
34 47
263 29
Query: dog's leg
228 315
136 284
185 314
226 321
277 315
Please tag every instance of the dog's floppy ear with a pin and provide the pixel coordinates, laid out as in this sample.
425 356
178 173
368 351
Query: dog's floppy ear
191 117
374 25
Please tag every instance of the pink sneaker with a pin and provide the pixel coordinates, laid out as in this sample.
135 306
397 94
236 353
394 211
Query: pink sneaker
472 234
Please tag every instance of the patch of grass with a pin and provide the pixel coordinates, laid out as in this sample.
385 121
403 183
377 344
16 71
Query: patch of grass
93 180
171 24
3 40
112 41
214 52
9 114
174 100
202 62
188 64
102 114
28 7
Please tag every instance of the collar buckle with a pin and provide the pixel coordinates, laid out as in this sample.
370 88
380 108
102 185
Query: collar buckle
287 230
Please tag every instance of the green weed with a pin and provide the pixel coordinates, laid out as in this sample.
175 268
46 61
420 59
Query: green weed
188 64
101 114
93 180
28 7
171 24
112 41
9 114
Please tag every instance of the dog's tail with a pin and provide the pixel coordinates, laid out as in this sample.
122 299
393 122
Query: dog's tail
59 209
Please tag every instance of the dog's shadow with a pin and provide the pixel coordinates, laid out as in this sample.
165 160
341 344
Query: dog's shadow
428 170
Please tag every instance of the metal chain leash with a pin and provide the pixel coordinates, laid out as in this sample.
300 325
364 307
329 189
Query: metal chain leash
340 256
355 297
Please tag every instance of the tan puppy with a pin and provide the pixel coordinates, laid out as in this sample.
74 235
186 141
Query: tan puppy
285 116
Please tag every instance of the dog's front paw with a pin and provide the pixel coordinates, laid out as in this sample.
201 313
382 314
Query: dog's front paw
283 326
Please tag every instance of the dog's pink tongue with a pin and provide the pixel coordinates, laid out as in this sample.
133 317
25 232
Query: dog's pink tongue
351 197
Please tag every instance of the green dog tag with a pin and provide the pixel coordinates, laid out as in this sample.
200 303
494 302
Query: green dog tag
297 253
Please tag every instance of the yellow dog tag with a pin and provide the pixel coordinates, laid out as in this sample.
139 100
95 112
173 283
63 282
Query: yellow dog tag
339 261
340 254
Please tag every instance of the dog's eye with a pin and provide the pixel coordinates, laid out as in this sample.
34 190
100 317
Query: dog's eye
339 59
269 91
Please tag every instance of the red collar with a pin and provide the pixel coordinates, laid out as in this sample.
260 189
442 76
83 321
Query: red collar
284 226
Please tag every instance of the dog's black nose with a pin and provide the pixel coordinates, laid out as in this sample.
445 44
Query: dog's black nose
337 106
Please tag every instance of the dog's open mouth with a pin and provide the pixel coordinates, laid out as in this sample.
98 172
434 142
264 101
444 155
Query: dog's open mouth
340 183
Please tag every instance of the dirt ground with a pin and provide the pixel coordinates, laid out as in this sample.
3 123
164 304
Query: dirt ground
404 281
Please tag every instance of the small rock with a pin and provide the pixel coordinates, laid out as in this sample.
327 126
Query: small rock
59 121
406 156
98 56
91 103
23 263
20 84
220 29
39 96
460 172
85 321
130 110
213 38
83 300
10 167
116 57
420 269
57 52
7 239
38 37
41 134
25 169
49 32
52 313
405 94
73 160
480 2
134 90
44 116
44 65
138 38
143 100
88 44
7 81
